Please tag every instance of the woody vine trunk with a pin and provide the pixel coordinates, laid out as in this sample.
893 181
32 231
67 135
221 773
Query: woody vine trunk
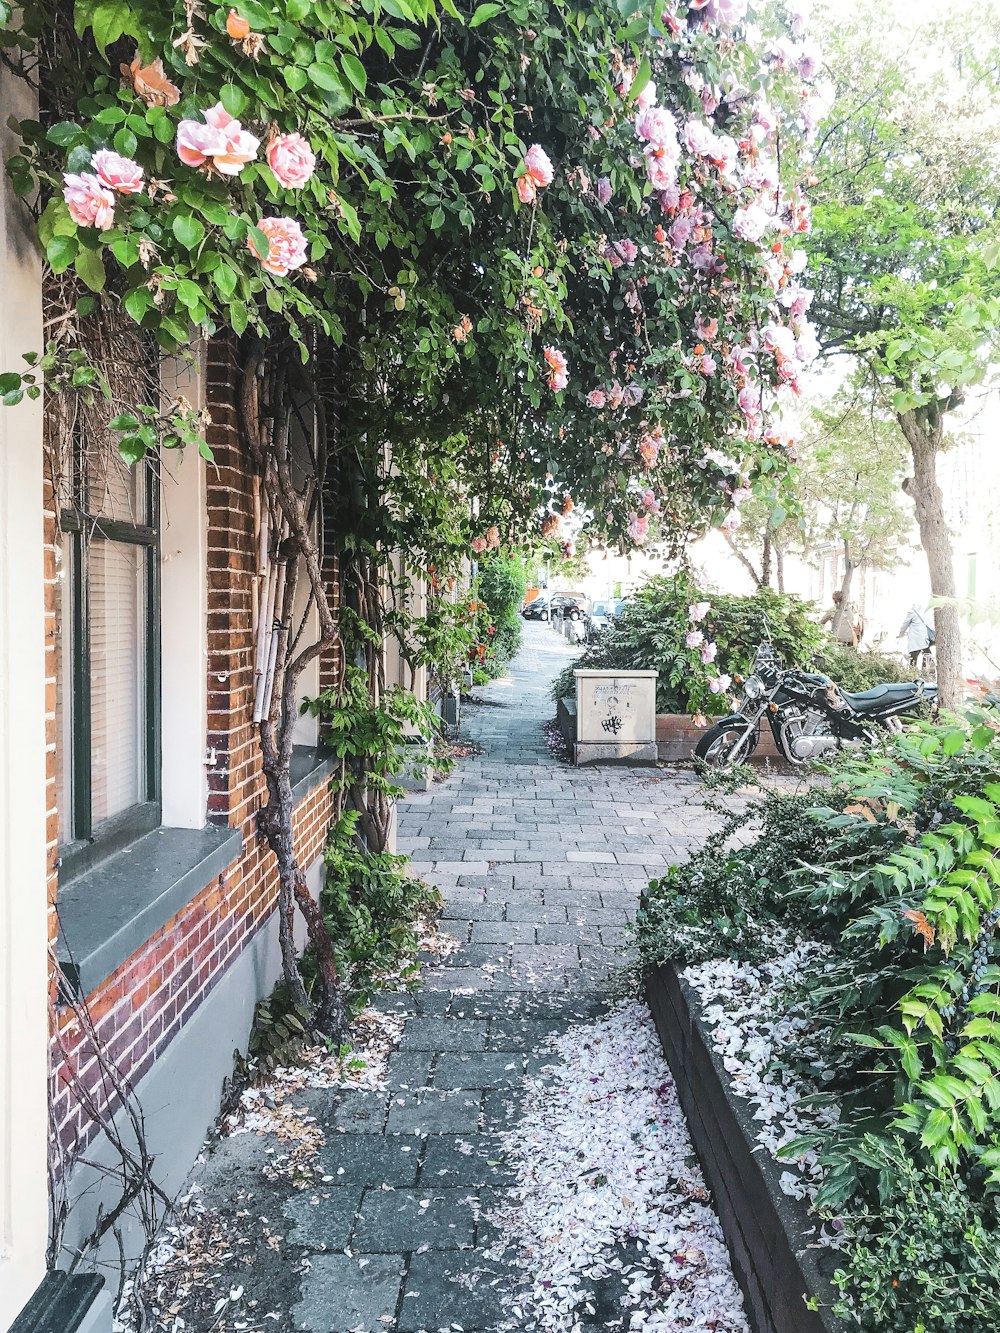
285 431
924 431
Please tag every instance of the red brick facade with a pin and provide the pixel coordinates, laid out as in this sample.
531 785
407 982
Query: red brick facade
144 1004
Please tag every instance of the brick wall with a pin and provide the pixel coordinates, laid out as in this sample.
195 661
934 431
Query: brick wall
142 1007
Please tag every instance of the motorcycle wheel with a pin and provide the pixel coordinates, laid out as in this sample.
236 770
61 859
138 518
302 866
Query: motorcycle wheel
544 615
726 743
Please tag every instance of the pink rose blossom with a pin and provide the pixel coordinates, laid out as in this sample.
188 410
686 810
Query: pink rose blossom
479 545
287 245
596 398
526 189
694 639
750 223
661 168
647 98
698 611
196 143
708 653
719 684
708 366
538 166
656 125
558 373
292 160
221 142
638 528
117 172
604 190
651 502
732 521
90 203
649 450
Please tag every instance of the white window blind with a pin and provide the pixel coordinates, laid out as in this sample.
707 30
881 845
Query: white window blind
117 676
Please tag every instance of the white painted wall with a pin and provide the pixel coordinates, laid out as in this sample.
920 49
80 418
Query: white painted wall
184 612
23 906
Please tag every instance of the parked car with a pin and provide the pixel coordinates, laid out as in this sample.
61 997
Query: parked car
600 617
536 609
572 605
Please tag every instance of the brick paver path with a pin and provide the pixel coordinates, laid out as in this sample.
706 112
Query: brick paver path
540 866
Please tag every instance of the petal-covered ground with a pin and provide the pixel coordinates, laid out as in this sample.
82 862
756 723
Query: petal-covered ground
611 1196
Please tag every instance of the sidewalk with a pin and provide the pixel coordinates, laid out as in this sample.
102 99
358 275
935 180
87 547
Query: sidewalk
540 866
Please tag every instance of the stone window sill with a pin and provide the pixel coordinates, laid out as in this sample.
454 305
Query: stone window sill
112 909
109 912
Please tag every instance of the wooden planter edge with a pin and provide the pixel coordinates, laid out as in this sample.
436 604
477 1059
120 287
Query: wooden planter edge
766 1231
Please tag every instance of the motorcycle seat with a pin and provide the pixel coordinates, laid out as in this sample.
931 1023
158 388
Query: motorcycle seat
866 701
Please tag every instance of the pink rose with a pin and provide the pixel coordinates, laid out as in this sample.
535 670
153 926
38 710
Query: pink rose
196 143
221 141
538 166
526 189
558 374
638 528
604 190
90 203
694 639
708 652
750 223
479 545
708 366
292 160
656 125
698 611
596 398
117 172
287 245
720 683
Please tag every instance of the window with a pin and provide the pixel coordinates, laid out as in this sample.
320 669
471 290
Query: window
108 693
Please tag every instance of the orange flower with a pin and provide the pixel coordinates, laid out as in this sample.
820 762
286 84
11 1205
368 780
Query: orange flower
150 83
237 26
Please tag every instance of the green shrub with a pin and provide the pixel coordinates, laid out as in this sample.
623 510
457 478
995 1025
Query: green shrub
501 589
853 669
371 907
651 635
894 867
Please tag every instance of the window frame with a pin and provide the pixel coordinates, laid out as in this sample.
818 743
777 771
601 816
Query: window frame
89 843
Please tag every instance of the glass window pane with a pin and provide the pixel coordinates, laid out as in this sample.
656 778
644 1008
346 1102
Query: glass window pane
115 491
117 676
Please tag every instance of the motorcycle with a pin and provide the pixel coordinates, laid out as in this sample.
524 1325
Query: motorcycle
808 714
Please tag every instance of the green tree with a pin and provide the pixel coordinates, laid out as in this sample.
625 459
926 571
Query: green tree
903 246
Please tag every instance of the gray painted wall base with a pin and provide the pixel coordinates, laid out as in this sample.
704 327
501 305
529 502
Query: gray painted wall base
612 752
181 1094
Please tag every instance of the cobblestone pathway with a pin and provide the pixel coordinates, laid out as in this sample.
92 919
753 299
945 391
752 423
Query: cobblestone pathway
540 866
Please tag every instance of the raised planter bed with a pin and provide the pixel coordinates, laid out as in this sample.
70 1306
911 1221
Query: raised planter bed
676 737
767 1232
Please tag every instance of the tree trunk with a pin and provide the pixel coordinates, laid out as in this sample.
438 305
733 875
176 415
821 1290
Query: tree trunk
923 434
765 561
845 593
757 582
779 560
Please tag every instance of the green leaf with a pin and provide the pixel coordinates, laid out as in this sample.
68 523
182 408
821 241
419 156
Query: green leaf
354 70
642 76
137 302
65 133
234 99
188 230
60 252
484 13
225 278
260 242
90 269
295 77
325 77
109 19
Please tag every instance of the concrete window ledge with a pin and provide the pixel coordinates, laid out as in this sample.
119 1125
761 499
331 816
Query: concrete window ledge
109 912
65 1304
310 765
